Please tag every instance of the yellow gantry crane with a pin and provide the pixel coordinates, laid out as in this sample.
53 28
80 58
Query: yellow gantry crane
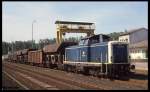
73 27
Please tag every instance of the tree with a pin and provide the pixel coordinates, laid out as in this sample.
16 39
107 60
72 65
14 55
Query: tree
115 35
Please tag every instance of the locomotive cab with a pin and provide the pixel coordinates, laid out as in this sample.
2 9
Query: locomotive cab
119 59
94 39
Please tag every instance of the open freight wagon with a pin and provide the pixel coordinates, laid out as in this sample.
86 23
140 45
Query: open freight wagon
55 53
51 56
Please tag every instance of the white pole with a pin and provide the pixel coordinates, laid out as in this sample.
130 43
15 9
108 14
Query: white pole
32 32
106 63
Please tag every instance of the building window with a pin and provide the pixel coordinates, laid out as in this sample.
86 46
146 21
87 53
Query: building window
143 51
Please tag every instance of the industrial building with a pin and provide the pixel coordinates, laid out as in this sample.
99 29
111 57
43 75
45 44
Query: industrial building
138 43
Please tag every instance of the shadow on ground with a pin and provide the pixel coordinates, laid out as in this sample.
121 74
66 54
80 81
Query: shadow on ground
139 76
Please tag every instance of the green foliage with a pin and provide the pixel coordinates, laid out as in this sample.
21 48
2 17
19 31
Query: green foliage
19 45
115 35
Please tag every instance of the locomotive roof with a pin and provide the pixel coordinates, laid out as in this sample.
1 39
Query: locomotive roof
95 36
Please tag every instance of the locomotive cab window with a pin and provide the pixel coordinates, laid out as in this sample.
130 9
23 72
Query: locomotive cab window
94 39
106 38
81 42
84 42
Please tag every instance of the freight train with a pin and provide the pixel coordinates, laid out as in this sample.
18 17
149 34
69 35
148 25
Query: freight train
95 55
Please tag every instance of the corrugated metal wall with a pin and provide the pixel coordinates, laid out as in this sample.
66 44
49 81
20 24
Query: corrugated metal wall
138 36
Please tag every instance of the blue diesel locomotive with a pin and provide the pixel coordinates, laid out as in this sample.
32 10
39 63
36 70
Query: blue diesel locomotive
97 55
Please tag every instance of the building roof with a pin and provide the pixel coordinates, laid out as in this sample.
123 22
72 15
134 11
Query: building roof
69 22
141 44
133 30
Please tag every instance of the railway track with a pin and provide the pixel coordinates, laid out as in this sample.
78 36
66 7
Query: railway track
83 82
48 77
57 84
118 84
136 79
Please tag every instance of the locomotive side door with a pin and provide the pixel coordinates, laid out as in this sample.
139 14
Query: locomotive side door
83 50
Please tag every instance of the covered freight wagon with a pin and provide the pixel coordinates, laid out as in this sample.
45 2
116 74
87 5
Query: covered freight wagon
36 57
19 56
14 57
25 55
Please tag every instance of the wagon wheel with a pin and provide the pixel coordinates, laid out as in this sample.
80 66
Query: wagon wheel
69 69
96 72
86 71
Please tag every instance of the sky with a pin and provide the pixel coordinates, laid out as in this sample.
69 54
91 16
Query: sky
17 17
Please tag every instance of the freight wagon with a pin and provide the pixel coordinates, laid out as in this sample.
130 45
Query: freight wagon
13 57
35 58
55 53
19 56
24 53
51 56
